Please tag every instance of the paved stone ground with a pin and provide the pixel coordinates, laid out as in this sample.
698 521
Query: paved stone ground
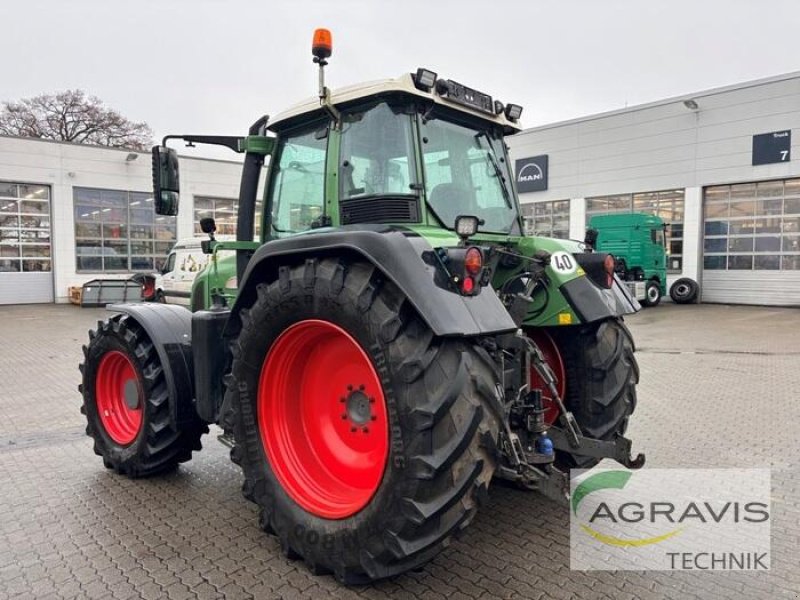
719 389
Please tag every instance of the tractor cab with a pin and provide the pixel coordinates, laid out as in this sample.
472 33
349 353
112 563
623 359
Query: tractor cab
413 150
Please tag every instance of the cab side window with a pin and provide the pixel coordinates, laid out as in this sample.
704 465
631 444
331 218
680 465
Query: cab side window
298 181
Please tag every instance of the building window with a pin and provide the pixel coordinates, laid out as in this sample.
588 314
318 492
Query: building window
119 231
24 228
752 226
667 204
224 211
547 219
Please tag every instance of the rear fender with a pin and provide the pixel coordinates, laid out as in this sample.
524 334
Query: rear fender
169 328
399 257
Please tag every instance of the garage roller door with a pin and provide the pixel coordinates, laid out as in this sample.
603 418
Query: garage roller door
751 243
25 244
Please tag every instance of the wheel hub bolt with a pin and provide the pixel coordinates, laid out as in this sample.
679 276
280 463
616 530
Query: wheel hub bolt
358 408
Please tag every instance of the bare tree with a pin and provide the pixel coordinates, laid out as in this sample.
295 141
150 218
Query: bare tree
72 116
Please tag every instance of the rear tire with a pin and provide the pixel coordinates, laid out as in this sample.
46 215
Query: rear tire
601 378
121 368
440 425
684 291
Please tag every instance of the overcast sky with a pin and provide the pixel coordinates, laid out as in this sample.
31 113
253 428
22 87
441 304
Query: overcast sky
214 66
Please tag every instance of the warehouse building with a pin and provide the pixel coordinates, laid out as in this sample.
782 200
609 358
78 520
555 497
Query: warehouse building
71 213
719 166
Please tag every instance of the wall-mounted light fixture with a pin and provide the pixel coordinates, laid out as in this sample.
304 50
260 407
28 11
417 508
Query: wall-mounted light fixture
691 104
131 157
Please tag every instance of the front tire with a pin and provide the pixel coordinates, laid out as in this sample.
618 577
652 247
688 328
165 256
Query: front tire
414 486
126 403
652 293
601 378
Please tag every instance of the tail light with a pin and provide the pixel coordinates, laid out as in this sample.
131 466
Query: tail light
598 266
473 261
465 267
608 265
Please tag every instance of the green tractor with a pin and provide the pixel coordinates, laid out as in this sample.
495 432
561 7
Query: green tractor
391 344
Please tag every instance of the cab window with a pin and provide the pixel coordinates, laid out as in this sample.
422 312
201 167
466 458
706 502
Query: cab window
466 174
376 150
298 181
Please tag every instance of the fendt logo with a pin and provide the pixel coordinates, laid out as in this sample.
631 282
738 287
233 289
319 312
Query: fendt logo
669 519
532 174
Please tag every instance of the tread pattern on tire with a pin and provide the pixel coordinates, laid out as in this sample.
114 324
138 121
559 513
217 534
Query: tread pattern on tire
602 374
158 447
434 480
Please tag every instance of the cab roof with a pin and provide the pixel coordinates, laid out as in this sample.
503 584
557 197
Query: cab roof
403 84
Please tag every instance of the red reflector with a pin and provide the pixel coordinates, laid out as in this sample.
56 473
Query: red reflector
467 285
473 261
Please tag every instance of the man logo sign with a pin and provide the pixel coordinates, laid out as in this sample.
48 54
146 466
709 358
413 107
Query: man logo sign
532 174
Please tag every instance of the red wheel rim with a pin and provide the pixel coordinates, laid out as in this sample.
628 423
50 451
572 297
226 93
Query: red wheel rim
119 397
323 420
553 358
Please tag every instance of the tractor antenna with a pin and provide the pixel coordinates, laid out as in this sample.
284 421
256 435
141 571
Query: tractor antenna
322 48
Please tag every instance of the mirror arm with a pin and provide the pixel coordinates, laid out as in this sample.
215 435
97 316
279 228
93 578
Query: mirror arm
229 141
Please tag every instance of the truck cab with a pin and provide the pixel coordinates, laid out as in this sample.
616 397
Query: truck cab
637 242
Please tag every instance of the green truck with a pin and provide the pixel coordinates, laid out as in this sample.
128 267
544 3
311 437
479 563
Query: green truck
636 241
392 342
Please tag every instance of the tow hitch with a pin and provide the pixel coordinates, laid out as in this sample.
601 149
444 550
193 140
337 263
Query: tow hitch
532 465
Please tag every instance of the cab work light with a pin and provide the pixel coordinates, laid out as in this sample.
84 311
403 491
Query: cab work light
513 112
425 79
466 226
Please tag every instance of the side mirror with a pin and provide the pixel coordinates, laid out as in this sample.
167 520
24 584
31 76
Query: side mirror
591 238
166 181
208 225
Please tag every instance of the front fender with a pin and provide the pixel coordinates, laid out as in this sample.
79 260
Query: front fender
572 297
399 256
169 328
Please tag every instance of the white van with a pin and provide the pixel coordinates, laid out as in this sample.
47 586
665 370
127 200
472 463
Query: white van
184 262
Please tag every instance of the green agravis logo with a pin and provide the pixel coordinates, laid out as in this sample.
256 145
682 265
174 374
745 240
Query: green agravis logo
611 480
